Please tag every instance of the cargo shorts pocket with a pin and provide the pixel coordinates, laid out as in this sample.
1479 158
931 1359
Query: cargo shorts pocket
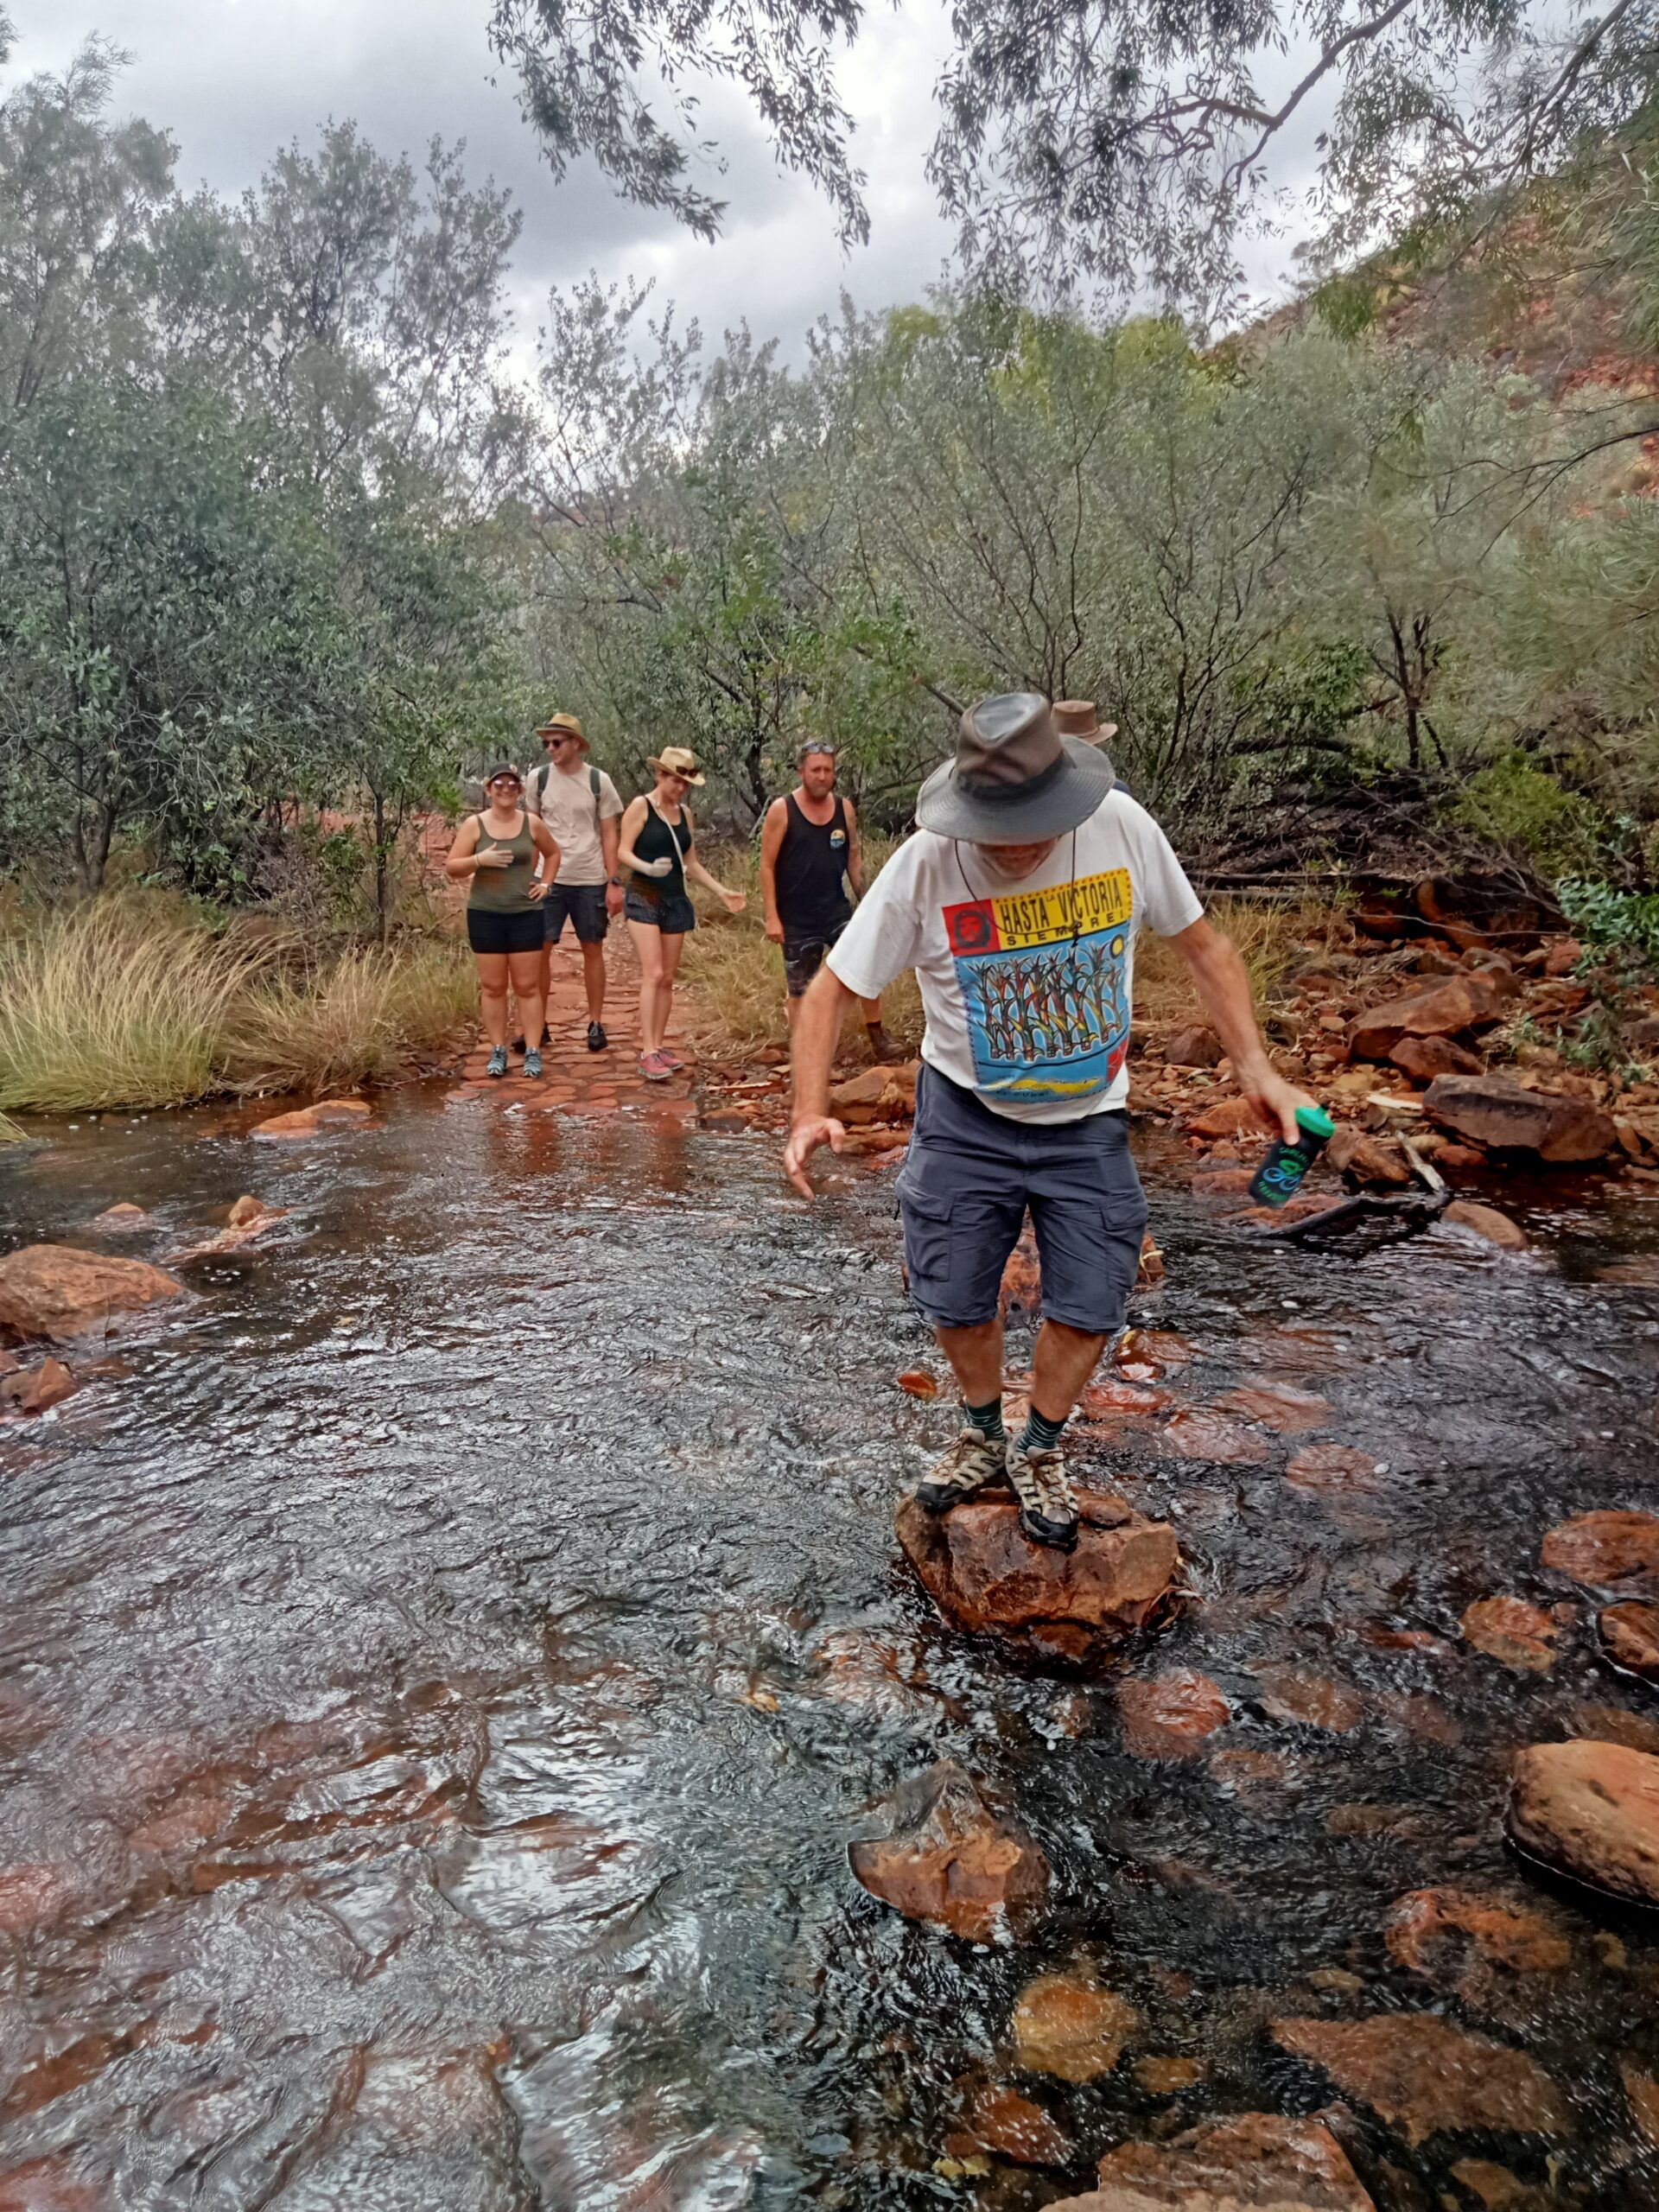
926 1217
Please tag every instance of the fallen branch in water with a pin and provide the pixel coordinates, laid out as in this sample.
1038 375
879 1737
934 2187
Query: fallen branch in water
1410 1213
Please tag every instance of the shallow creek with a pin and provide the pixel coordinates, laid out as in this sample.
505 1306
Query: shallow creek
446 1660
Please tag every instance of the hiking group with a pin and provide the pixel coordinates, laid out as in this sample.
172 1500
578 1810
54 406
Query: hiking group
1016 902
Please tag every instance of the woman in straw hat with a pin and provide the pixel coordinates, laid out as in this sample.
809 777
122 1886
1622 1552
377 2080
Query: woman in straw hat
656 849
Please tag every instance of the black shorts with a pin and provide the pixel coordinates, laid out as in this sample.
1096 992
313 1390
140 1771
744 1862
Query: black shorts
585 905
671 912
490 931
803 955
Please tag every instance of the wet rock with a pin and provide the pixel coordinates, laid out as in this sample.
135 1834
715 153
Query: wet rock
1593 1809
1168 1716
1195 1047
1022 1280
58 1291
1614 1724
1001 2121
1068 2026
1151 1270
916 1382
1464 1002
1496 2190
1332 1466
984 1575
1166 2077
1459 1156
1229 1117
1425 2076
1276 1405
877 1094
1366 1161
248 1210
731 1119
1201 1434
1605 1549
1115 1400
1256 2160
1486 1221
35 1389
1519 1636
950 1862
124 1215
312 1121
1643 2093
1496 1111
1311 1701
1258 1776
1629 1635
1424 1057
1455 1938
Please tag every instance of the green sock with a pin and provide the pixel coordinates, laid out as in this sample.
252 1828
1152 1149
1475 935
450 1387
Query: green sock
1039 1434
987 1420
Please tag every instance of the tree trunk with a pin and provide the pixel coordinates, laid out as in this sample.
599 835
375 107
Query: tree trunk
381 873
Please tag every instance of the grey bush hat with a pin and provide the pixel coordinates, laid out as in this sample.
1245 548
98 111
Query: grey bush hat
1015 779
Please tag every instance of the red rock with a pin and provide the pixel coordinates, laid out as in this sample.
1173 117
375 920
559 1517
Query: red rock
1229 1117
1104 1401
246 1210
1630 1638
1425 2076
1521 1635
1258 1775
1420 1715
875 1094
1486 1221
950 1862
1222 1182
1194 1046
1364 1160
1563 956
1643 2093
1152 1349
57 1290
36 1389
1166 2076
1453 1937
1459 1155
1200 1435
1604 1549
984 1575
125 1215
1461 1002
1022 1279
1591 1809
1168 1716
1012 2126
311 1121
1496 1111
1614 1724
1332 1466
1296 1694
1255 2160
916 1382
728 1118
1068 2026
1151 1270
1424 1057
1276 1405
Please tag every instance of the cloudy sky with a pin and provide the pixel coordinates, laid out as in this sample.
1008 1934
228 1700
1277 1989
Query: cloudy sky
232 79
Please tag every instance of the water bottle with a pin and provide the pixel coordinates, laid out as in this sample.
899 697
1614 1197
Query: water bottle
1279 1176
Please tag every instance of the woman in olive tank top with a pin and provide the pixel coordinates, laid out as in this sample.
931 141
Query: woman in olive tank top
497 854
655 847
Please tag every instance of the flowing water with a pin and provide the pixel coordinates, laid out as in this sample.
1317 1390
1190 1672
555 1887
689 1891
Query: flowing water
446 1660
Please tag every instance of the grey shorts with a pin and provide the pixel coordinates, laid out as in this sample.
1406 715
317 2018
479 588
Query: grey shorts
671 912
968 1179
584 906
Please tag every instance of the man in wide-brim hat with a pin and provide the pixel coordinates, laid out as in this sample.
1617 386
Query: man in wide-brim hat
1017 904
580 804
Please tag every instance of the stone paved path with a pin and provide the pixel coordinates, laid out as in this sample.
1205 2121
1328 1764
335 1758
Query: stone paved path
577 1081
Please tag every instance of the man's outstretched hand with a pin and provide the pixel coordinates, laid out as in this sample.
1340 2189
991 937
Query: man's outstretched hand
805 1138
1276 1101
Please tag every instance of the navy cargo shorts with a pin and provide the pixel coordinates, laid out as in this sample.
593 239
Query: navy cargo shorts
968 1181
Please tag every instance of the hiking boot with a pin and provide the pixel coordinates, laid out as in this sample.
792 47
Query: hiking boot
532 1063
497 1062
597 1040
1048 1510
885 1051
972 1463
654 1067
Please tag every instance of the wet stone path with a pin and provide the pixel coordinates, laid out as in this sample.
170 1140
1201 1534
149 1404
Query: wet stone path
443 1662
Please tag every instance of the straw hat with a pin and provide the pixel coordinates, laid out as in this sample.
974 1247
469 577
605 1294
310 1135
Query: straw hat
567 725
675 761
1076 718
1015 779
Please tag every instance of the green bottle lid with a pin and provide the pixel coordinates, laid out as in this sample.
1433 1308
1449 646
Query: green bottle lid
1316 1122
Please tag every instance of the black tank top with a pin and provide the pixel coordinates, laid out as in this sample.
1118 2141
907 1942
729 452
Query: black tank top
811 861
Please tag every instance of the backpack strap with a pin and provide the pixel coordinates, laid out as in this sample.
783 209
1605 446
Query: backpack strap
592 785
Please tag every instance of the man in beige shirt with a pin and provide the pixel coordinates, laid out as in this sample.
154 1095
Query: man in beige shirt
579 804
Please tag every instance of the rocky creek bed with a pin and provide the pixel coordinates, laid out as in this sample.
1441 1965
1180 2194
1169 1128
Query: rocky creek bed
450 1650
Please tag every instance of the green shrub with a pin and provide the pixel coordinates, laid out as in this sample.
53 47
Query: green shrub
1518 804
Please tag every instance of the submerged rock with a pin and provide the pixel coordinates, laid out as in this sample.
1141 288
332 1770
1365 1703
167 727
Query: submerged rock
984 1575
311 1121
1591 1809
1604 1549
1630 1638
1425 2076
123 1215
57 1290
951 1862
1256 2160
1169 1716
1455 1937
34 1390
1497 1111
1068 2026
1486 1222
1003 2122
1518 1634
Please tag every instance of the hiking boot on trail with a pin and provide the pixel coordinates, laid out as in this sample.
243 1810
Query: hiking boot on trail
972 1463
497 1062
1048 1509
533 1063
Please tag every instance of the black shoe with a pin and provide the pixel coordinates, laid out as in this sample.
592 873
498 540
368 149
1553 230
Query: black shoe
547 1036
597 1040
517 1044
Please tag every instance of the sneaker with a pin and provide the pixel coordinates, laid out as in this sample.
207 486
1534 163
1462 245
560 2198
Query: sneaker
654 1067
669 1060
1048 1510
497 1062
972 1463
533 1063
597 1040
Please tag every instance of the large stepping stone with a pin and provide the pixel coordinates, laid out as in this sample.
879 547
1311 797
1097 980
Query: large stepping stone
58 1291
1591 1809
952 1862
1255 2161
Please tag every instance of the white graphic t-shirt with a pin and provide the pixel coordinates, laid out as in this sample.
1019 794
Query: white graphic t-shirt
1026 986
566 804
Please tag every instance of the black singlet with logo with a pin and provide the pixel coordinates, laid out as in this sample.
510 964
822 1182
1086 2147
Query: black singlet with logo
811 862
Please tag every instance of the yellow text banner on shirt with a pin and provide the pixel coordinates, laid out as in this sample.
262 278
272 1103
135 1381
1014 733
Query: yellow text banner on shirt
1078 909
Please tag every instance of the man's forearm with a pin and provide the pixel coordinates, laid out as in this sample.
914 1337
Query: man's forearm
1222 984
609 845
816 1028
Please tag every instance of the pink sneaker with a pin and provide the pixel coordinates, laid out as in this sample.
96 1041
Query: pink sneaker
669 1060
654 1067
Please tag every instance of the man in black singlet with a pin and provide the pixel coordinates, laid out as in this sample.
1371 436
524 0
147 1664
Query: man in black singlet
809 856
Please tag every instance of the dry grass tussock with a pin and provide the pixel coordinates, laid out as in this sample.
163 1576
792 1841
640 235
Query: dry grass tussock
136 1003
735 978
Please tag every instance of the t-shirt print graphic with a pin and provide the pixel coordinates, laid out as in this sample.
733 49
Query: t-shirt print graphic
1044 978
